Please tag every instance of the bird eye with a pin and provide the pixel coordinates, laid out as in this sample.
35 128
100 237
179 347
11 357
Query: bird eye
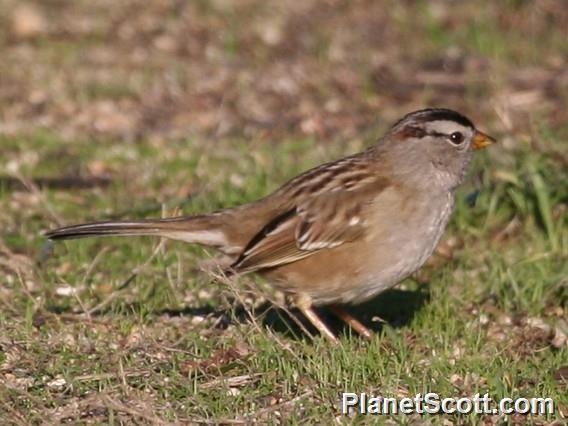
456 138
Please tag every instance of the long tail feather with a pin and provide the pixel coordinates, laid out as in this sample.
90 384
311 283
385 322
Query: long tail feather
193 229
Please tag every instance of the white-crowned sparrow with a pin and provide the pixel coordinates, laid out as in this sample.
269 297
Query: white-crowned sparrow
343 231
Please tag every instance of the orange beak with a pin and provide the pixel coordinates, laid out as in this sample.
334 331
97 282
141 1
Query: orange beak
481 140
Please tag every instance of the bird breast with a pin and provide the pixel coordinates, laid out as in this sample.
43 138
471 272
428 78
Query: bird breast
400 244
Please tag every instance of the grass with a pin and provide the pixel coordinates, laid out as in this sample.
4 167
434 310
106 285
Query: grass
124 331
460 329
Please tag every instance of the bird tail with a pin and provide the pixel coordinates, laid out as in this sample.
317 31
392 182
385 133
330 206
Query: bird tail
193 229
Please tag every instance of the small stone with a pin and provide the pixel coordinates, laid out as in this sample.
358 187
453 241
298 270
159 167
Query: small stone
197 319
65 291
233 392
57 383
559 339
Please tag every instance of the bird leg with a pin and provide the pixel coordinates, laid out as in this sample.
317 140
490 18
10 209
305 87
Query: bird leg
353 322
304 304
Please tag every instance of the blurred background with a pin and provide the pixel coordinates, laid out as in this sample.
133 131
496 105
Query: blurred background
134 70
133 108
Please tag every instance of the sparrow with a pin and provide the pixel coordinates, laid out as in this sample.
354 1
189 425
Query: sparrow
341 232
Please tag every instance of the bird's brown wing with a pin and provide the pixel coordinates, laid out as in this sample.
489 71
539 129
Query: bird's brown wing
321 222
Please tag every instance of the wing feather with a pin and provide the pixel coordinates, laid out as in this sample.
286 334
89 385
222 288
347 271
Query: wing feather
322 222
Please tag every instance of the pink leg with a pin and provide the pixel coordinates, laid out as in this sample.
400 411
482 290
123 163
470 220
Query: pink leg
353 322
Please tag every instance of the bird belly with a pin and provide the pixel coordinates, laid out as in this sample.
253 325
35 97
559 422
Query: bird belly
355 272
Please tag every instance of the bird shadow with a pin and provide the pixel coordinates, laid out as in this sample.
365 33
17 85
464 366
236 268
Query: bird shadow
395 308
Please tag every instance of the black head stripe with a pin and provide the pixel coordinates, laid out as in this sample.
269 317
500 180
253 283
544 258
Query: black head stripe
434 114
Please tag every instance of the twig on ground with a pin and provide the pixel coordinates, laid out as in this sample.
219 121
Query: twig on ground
61 182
